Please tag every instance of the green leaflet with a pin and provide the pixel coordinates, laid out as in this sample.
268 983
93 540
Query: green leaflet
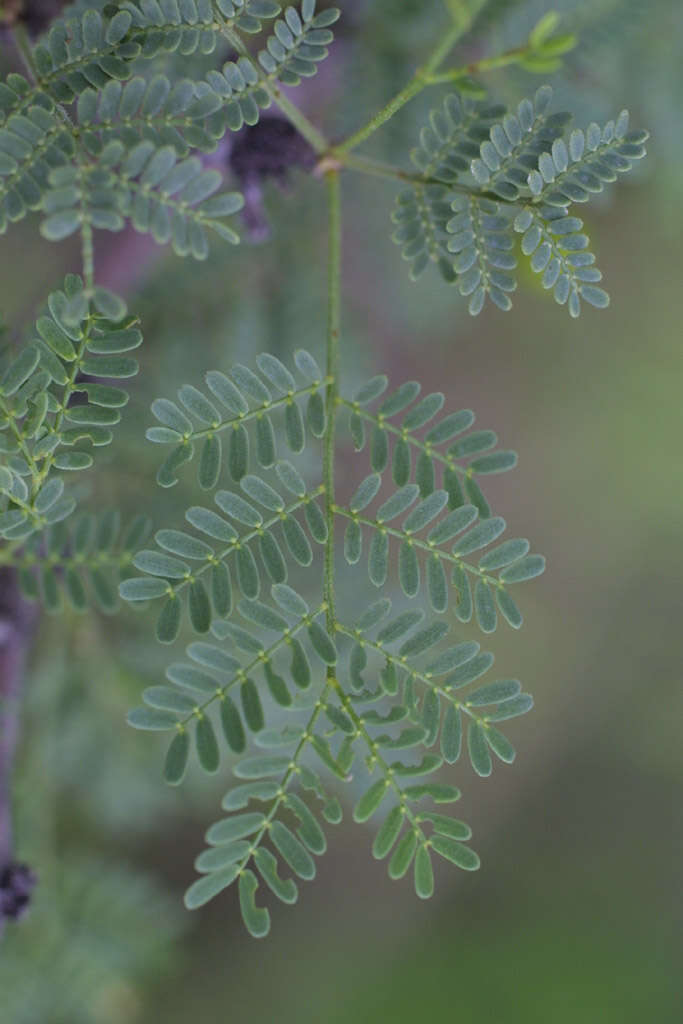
365 492
231 723
277 686
378 559
209 886
309 832
257 920
451 735
353 539
445 826
424 874
322 644
168 699
292 851
499 744
408 569
484 607
402 856
370 801
207 745
215 858
455 852
478 749
152 719
284 889
176 758
236 827
388 833
251 705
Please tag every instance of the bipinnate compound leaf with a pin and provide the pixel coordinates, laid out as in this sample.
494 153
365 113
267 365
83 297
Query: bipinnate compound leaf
529 171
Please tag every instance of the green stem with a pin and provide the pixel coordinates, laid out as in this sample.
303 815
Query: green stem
305 127
479 66
88 256
416 85
290 774
332 372
69 389
377 169
419 81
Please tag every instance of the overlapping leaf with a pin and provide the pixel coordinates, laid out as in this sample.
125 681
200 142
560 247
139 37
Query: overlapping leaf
432 692
448 142
33 141
260 836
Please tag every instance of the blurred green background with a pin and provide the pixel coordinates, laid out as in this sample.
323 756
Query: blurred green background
575 915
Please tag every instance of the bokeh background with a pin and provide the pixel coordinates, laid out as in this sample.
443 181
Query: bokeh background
575 915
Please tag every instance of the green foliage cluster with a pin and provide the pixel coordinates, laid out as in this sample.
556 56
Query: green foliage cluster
529 177
99 134
280 649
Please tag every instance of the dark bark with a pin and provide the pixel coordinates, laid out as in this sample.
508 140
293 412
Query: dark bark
17 621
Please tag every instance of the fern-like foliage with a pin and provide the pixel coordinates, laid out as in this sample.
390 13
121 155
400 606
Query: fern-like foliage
107 163
171 200
379 702
522 176
298 43
409 448
270 522
156 110
376 692
238 403
55 406
448 143
91 49
82 561
237 94
457 509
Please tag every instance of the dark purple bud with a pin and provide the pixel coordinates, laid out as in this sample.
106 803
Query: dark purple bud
266 150
36 15
16 884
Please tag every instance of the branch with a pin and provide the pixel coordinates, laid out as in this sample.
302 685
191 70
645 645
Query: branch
17 621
